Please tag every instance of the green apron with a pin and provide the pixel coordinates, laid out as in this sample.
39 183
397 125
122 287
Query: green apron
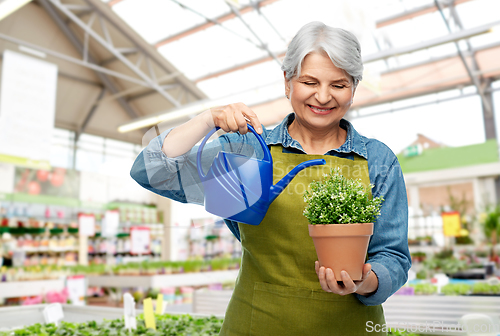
277 290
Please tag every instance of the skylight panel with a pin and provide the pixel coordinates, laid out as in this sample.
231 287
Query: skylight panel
485 39
442 50
246 79
211 9
156 19
209 51
478 12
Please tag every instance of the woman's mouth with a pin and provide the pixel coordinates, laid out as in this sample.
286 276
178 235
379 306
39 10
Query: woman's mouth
320 110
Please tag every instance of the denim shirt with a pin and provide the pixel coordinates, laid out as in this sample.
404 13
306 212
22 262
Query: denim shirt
177 178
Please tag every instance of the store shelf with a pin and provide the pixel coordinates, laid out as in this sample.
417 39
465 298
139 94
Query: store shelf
29 288
159 281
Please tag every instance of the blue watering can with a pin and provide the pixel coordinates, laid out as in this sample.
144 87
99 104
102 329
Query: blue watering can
241 188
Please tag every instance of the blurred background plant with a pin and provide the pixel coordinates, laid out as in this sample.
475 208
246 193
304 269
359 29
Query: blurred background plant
491 228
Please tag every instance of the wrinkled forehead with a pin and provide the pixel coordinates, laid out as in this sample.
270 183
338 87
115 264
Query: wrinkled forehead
323 53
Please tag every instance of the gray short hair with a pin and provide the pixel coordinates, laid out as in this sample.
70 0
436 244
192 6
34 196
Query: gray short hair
340 45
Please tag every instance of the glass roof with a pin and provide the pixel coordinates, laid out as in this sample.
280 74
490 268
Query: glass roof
232 43
260 34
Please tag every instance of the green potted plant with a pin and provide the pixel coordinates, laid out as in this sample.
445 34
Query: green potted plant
341 213
491 225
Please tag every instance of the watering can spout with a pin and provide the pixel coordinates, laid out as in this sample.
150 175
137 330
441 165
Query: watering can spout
283 183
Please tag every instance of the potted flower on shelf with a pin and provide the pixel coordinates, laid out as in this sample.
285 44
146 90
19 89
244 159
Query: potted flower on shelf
341 213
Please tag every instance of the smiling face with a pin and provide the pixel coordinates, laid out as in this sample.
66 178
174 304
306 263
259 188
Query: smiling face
322 94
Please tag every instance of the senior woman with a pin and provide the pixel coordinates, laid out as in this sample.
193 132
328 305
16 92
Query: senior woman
281 290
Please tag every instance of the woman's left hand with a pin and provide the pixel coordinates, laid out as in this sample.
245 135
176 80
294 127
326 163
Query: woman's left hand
367 285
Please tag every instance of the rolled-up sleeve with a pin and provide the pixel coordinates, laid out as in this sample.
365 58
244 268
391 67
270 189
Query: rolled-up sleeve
153 170
388 249
177 178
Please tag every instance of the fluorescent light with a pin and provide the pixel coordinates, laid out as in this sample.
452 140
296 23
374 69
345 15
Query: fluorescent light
7 7
197 107
495 29
185 111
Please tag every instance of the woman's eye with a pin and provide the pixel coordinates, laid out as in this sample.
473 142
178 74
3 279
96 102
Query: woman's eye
309 83
339 86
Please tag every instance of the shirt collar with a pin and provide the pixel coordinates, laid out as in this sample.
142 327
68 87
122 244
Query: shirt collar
354 142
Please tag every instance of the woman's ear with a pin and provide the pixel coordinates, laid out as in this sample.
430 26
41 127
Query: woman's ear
287 86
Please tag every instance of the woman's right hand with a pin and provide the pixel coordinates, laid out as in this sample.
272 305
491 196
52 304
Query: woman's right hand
234 118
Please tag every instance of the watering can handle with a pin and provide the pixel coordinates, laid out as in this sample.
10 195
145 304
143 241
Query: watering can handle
267 153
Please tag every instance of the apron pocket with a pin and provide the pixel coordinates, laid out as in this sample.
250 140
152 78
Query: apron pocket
280 310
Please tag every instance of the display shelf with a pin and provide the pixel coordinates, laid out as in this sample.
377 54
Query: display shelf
167 280
29 288
47 249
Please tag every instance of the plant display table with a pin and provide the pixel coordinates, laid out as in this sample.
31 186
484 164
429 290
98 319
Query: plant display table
29 288
167 324
167 280
18 316
440 313
422 314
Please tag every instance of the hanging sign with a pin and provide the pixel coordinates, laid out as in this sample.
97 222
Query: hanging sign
140 240
27 109
451 224
86 225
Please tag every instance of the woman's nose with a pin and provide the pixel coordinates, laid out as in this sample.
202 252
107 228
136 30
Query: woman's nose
323 95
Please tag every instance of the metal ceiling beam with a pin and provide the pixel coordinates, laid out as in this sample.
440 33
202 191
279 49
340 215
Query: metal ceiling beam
92 66
110 86
452 37
88 31
437 59
114 2
477 83
262 44
211 23
486 96
437 101
144 49
257 8
147 93
89 115
376 56
73 77
410 14
237 67
216 23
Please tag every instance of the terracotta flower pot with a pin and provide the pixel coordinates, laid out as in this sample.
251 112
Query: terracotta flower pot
342 247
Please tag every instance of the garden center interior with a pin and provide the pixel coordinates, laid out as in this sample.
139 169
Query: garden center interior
93 82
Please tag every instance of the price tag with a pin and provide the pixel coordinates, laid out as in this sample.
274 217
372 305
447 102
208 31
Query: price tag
53 313
129 311
451 223
111 223
149 317
159 304
140 240
86 225
77 288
